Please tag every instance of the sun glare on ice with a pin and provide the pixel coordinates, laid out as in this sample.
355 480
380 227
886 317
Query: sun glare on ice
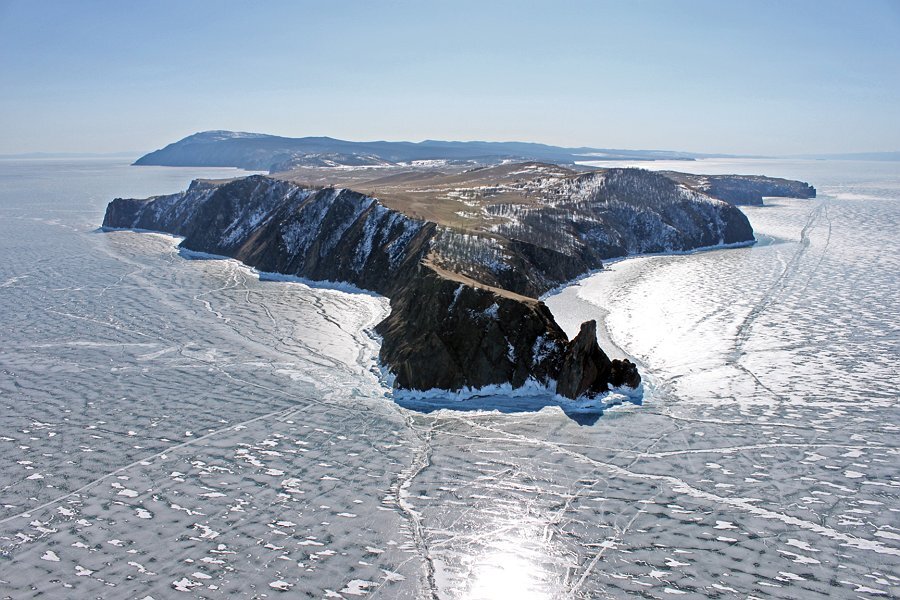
506 573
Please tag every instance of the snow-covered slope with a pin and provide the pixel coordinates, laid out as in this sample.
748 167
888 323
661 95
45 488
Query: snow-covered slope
569 224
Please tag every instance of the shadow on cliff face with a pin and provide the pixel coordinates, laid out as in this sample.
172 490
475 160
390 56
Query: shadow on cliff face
583 411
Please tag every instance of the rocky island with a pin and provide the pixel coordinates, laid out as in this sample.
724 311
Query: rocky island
463 252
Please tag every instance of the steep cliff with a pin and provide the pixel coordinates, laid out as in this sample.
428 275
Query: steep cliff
463 307
279 227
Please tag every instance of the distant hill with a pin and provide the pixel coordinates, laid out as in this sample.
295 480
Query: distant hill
257 151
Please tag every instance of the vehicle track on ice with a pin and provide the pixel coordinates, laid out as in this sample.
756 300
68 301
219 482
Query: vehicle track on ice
774 293
421 461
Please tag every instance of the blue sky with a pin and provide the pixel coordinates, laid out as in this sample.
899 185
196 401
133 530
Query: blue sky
707 76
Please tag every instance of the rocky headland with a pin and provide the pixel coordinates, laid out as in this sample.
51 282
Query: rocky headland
462 255
744 189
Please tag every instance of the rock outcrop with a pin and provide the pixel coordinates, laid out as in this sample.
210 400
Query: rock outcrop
586 368
464 312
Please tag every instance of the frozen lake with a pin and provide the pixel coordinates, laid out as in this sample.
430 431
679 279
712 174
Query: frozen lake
175 427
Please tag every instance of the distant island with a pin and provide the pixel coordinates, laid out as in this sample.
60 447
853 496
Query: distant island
464 245
262 152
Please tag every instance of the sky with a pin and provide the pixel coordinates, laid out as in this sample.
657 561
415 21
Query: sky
751 77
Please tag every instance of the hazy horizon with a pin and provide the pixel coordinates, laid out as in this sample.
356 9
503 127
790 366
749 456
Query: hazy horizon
750 79
52 154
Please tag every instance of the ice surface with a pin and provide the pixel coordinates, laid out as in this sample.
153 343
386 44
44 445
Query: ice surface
197 432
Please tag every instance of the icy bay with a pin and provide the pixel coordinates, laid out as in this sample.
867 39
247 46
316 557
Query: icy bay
174 425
